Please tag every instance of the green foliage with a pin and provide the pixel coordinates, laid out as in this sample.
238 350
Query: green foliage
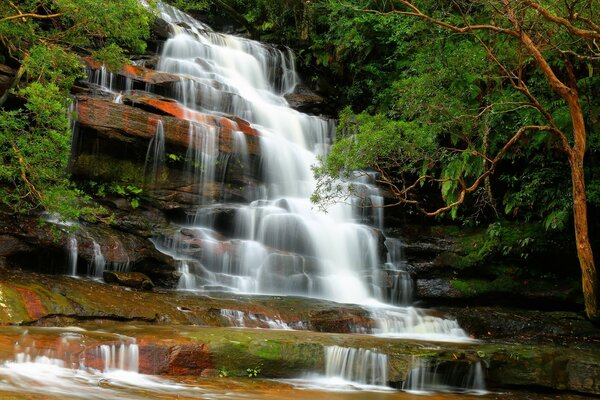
253 372
34 144
111 56
131 192
402 74
53 65
223 372
35 137
191 5
121 22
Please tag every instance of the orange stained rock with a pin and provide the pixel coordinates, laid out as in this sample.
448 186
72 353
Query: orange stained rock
33 304
177 110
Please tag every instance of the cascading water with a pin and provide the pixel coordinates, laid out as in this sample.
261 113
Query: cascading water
122 356
280 244
277 242
356 365
241 320
98 263
73 255
156 155
451 377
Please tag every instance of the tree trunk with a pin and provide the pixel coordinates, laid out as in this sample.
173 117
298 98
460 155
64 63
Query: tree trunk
582 240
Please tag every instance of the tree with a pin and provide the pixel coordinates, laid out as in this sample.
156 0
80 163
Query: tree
45 41
527 42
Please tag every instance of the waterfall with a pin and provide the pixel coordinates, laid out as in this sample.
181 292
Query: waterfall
155 156
124 357
458 377
278 242
362 366
98 262
73 255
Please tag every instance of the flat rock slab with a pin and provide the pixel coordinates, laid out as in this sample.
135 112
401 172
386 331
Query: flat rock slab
190 350
37 299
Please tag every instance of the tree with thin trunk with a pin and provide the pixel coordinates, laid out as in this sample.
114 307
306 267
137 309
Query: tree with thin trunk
532 25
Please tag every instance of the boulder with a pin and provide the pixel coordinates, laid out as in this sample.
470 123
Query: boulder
305 100
135 280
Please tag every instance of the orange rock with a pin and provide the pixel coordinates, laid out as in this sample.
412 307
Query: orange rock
124 123
33 304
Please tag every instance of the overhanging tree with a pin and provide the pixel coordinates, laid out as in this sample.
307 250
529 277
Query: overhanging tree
553 41
44 41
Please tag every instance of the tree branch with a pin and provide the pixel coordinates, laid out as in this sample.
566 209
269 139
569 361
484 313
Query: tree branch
588 34
401 194
30 15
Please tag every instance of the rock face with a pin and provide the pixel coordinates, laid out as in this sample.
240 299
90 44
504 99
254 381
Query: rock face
440 261
113 140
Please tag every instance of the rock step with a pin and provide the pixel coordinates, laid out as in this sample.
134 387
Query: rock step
171 350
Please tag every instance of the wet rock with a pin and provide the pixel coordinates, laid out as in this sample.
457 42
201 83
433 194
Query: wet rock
120 124
135 280
169 350
436 290
10 245
7 75
161 29
559 327
305 100
139 74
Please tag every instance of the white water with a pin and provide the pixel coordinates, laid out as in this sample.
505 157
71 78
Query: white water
277 243
98 262
62 373
73 255
122 356
241 319
456 377
356 365
156 155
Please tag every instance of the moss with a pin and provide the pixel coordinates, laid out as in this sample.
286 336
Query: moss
478 287
12 308
109 169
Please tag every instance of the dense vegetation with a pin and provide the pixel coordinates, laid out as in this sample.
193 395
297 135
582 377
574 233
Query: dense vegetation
445 100
487 105
44 41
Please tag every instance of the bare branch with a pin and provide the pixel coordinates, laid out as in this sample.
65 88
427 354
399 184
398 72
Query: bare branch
588 34
401 194
30 15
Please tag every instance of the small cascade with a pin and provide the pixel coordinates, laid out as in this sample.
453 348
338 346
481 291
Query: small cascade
365 367
202 156
401 290
410 322
453 377
377 205
156 155
62 352
241 319
108 80
66 351
187 281
124 357
73 255
98 263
